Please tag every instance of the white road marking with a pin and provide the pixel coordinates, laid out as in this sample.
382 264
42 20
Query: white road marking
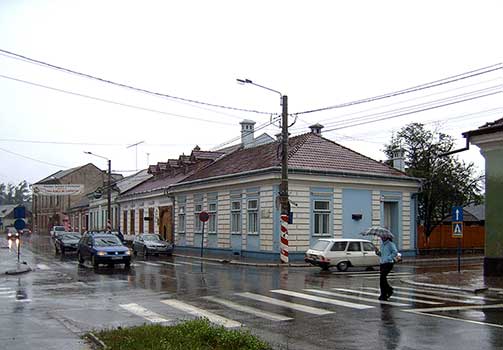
298 307
440 292
322 299
393 297
188 263
5 288
459 308
143 312
354 297
195 311
433 297
148 263
5 292
169 263
248 309
454 318
376 274
43 267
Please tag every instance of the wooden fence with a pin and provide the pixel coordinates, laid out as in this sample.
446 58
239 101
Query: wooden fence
441 238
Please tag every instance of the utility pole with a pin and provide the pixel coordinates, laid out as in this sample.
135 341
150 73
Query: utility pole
283 187
283 191
109 195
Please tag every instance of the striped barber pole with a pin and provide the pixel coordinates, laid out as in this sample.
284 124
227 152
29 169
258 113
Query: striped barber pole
284 239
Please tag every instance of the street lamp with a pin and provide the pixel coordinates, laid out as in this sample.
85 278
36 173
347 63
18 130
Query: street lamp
109 194
283 190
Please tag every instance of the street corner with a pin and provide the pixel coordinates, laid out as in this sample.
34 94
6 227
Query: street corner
20 268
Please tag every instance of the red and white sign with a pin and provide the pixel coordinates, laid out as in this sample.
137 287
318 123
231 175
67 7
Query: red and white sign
58 190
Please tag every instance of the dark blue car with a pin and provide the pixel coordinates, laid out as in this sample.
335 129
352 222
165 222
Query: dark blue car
103 248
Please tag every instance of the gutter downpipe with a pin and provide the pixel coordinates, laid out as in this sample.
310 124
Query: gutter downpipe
466 148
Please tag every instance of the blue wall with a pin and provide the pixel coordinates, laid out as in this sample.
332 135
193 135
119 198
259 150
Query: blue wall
356 202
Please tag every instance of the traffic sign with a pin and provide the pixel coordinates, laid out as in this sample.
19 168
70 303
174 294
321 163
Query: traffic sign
19 212
204 216
457 230
19 224
457 214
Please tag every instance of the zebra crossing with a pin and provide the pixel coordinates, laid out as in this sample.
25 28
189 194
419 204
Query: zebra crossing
11 294
277 305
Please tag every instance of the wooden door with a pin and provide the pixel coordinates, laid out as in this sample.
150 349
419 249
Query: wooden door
166 223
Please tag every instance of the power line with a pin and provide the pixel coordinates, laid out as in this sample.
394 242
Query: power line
89 76
34 159
420 107
429 85
411 112
111 102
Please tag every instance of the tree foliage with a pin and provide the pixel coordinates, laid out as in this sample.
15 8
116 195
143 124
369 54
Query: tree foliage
11 194
447 181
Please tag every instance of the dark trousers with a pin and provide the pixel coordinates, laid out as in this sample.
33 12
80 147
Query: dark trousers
386 289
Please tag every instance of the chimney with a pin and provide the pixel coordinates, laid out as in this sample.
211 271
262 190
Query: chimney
399 159
316 129
247 130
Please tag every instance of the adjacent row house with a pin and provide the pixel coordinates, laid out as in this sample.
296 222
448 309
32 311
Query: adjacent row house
333 192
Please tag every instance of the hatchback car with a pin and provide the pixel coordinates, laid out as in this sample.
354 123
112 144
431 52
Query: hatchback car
66 242
103 248
151 244
342 253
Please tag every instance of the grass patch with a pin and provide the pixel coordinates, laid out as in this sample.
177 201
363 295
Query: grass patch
197 334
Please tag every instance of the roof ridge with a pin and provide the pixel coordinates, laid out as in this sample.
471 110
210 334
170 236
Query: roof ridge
302 142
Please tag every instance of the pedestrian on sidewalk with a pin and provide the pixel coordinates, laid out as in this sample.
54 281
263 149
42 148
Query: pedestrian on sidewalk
386 261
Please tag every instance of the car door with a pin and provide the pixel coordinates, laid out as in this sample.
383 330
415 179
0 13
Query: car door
369 254
354 253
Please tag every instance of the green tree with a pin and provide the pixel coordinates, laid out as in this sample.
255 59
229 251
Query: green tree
11 194
447 181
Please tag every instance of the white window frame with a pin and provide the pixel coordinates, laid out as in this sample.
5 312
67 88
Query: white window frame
236 220
212 221
198 208
252 217
321 218
181 219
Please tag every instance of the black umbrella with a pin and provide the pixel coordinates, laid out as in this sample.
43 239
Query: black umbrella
378 231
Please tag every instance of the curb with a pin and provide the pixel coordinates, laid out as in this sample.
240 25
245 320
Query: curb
237 262
95 340
19 270
444 286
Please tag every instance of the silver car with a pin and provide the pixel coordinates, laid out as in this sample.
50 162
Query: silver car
342 253
151 244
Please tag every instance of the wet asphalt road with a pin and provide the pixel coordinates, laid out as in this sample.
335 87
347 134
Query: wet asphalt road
292 308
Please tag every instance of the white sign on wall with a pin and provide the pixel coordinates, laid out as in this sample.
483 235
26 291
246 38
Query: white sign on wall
58 190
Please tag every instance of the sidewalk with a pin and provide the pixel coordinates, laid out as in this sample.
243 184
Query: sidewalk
9 265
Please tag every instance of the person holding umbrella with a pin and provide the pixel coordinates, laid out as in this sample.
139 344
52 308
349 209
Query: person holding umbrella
387 257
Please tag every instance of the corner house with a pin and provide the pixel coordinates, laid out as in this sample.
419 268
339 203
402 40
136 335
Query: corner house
333 191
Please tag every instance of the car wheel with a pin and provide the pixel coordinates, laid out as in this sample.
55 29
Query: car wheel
80 259
62 251
145 252
343 266
56 251
95 263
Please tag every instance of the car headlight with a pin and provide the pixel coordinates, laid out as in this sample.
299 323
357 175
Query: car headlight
101 253
127 252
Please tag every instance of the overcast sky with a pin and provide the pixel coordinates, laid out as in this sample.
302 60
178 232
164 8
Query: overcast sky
319 53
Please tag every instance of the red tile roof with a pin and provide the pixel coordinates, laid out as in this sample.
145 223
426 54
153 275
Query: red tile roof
487 128
308 152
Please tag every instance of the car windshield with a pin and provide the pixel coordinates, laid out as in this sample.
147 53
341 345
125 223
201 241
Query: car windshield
106 241
70 236
59 228
151 238
321 245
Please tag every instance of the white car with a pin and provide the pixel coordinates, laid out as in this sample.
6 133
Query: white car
56 229
342 253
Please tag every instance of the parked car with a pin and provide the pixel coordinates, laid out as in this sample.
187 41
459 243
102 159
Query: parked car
66 242
103 248
342 253
56 229
151 244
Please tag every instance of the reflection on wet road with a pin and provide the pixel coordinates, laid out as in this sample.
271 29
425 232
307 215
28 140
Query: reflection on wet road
301 308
